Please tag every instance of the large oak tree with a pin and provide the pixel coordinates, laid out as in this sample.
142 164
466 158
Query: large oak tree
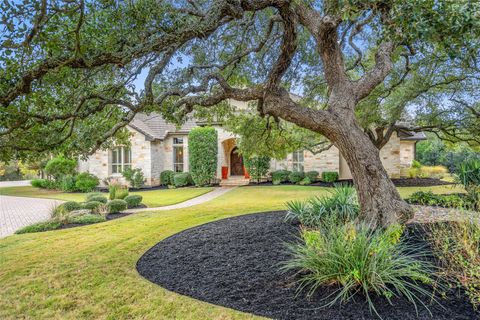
69 69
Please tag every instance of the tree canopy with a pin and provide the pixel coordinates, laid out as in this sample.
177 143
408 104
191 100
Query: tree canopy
71 72
69 67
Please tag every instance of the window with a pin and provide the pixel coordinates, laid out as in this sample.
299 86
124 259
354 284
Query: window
297 160
121 159
178 154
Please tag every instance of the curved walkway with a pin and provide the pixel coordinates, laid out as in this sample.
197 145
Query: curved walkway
18 212
217 192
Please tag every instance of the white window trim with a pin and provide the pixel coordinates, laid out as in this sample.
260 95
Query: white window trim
121 161
177 145
297 163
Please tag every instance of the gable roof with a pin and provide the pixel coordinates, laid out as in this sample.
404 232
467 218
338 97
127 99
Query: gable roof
155 127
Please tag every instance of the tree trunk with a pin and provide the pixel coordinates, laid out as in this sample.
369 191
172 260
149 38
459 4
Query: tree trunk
380 202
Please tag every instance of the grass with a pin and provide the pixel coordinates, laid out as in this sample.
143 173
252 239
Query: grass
153 198
89 272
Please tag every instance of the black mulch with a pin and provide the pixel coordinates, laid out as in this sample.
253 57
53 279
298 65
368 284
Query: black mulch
404 182
234 263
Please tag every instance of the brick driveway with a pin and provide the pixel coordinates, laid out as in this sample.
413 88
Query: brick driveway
17 212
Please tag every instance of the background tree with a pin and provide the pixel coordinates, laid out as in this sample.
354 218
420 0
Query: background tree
69 70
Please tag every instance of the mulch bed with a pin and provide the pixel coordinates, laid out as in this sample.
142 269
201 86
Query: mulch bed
235 263
404 182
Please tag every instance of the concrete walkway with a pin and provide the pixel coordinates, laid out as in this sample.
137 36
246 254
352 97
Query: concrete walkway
18 212
20 183
217 192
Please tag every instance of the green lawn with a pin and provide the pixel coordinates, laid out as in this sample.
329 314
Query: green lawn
153 198
89 272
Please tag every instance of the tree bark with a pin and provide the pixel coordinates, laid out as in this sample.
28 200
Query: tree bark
380 202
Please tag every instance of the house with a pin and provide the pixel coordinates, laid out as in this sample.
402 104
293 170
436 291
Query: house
157 145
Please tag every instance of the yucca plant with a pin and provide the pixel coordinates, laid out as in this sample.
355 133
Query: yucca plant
359 260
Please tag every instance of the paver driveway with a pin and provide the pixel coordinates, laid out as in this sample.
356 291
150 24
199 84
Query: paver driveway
17 212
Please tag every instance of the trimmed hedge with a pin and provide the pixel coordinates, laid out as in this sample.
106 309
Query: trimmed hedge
202 151
257 167
166 178
39 183
116 206
182 179
92 205
133 200
329 176
101 199
280 176
86 182
311 175
60 166
71 205
296 176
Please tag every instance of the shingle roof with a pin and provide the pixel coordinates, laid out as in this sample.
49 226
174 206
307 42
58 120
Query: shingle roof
410 135
155 127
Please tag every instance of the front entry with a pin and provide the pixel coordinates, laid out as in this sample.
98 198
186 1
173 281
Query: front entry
236 163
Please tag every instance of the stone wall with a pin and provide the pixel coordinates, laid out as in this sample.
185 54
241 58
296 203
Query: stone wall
99 163
154 157
325 161
407 155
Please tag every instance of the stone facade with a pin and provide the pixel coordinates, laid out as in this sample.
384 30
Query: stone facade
155 156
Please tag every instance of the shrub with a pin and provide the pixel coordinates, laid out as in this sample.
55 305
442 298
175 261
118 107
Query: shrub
116 206
70 206
134 176
202 152
116 191
67 183
434 172
457 247
39 227
121 193
95 195
416 164
311 175
61 213
428 198
468 175
133 200
166 178
92 205
280 176
305 181
39 183
86 182
296 176
101 199
359 260
88 219
341 205
182 179
329 176
257 167
60 166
